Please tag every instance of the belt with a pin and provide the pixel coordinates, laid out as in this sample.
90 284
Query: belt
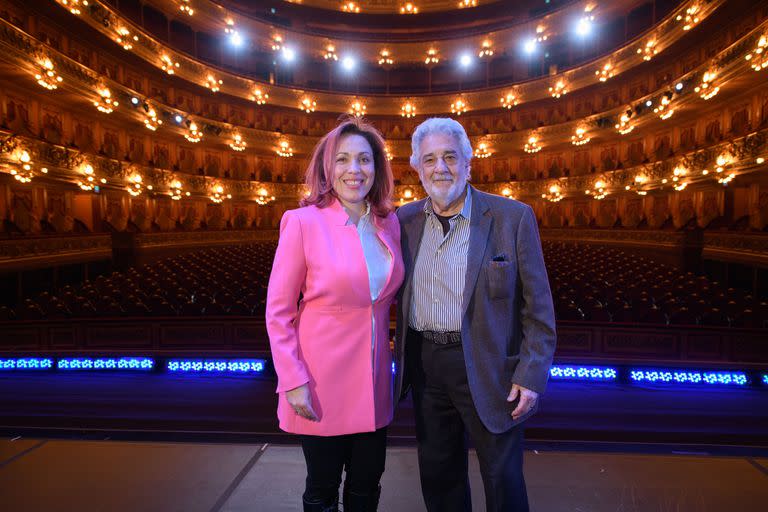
440 338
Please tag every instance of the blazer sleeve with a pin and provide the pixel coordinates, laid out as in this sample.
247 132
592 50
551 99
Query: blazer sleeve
537 313
289 272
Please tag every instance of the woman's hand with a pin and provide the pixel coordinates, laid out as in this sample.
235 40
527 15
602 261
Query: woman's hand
301 401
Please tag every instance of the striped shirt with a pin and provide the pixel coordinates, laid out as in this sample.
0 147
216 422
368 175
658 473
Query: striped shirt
440 271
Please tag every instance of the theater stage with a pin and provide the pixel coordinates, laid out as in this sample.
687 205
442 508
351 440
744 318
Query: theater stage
119 476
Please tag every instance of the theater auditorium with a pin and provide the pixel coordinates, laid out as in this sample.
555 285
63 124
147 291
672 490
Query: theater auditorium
149 150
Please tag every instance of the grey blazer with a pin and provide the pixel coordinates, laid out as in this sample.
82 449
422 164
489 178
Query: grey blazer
508 327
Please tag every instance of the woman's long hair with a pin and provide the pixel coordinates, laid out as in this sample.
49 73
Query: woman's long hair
319 175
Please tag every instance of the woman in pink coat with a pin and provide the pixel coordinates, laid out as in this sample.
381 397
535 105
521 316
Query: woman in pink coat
337 269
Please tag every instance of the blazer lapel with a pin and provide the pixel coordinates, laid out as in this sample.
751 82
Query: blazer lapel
414 229
479 229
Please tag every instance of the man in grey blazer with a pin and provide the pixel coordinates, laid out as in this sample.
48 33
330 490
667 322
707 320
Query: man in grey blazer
475 325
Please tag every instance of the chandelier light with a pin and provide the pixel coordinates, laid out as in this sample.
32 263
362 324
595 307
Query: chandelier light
706 89
408 110
330 53
168 64
604 73
186 8
532 146
385 58
482 151
350 7
509 100
580 137
432 57
212 83
284 149
105 103
259 96
125 39
690 18
357 108
237 144
459 106
559 89
47 76
307 104
648 51
193 134
758 57
263 198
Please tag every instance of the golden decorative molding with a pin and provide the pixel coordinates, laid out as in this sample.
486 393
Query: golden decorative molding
105 20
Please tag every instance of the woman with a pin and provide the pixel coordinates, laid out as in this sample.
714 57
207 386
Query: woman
337 268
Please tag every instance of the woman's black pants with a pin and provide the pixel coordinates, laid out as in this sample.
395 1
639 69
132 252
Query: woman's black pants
361 455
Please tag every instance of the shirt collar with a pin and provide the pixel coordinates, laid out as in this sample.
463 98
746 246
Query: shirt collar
364 217
466 210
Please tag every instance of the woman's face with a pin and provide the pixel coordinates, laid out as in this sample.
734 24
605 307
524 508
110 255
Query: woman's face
353 170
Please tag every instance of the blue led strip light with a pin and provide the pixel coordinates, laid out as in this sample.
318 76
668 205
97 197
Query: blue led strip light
238 366
660 376
26 363
106 363
593 373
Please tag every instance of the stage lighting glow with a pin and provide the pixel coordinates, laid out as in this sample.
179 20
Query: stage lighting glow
465 60
348 63
593 373
178 118
135 100
530 46
679 86
661 376
235 39
26 363
765 379
289 54
584 26
105 363
649 103
238 366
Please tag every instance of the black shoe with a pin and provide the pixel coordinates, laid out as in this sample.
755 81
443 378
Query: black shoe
327 505
361 502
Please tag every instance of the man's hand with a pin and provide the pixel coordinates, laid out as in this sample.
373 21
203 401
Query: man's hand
301 401
527 401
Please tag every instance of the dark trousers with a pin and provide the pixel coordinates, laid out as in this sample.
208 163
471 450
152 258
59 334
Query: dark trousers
445 417
362 456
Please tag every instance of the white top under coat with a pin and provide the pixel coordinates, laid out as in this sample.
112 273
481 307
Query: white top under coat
377 256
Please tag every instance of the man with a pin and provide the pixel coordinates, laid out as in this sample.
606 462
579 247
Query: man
476 325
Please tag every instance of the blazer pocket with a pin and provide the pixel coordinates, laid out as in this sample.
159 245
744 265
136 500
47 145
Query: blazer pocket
501 279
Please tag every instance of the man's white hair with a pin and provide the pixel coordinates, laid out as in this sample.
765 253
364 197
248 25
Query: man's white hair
444 125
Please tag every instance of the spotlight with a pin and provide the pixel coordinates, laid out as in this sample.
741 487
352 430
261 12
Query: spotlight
679 86
235 39
465 60
649 103
135 100
348 63
178 118
584 26
289 54
530 46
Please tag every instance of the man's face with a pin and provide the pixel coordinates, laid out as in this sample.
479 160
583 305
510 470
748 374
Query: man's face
442 169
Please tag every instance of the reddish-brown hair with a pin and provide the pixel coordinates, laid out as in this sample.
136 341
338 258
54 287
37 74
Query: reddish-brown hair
319 175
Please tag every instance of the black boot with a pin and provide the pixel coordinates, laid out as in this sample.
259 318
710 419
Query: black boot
327 505
361 502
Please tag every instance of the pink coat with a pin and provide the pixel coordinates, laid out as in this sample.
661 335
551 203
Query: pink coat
326 340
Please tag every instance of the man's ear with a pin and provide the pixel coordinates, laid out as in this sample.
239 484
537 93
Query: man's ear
469 172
